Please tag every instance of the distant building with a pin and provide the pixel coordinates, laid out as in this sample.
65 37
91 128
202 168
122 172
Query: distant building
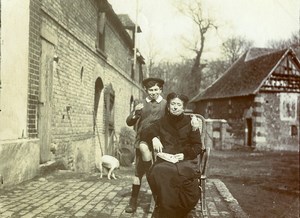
259 96
67 84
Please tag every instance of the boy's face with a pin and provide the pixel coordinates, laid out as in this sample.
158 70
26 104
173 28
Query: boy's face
154 92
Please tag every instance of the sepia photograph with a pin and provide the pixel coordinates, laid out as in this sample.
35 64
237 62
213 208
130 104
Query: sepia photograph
150 108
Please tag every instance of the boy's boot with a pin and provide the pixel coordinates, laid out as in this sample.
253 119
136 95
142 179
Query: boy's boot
131 207
142 169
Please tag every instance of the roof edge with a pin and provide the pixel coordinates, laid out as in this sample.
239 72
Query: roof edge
270 73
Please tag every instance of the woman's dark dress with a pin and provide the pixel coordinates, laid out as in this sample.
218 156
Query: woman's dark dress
174 185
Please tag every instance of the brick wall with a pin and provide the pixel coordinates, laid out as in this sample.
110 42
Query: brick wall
74 24
34 67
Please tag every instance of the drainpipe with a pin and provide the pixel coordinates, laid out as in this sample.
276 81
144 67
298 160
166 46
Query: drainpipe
0 92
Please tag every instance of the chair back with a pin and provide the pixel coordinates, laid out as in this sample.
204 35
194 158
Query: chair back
202 158
202 161
202 128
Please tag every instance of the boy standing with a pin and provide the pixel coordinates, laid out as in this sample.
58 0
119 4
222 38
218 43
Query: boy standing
146 113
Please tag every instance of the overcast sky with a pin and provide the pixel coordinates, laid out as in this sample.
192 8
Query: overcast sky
257 20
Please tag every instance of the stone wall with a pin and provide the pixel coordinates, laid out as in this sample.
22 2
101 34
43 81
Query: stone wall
276 131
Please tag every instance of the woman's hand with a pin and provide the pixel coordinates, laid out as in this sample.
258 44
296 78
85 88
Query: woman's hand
157 145
179 156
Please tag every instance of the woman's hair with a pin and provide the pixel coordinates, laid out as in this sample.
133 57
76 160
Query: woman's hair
173 95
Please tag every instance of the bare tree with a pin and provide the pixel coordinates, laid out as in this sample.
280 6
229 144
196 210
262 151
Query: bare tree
215 69
175 75
293 41
152 53
234 47
194 10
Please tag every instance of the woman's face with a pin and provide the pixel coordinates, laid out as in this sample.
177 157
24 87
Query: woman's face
176 106
154 92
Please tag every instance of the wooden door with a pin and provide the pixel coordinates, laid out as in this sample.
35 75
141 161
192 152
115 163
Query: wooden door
45 100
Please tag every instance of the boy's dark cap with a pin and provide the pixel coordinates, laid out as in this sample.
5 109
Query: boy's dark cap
156 80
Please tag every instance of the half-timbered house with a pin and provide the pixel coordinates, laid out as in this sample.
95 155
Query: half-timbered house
259 96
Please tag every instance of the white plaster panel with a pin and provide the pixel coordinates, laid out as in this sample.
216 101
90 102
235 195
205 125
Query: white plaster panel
14 68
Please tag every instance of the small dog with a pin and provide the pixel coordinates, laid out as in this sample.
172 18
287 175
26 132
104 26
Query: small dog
111 163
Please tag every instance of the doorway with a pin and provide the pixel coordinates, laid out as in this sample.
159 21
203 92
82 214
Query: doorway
98 89
248 115
249 127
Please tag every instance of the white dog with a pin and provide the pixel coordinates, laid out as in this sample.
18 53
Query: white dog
111 163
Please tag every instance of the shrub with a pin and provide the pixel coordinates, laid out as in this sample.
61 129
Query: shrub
126 146
126 137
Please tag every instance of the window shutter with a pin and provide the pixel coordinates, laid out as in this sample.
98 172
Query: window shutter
101 22
109 121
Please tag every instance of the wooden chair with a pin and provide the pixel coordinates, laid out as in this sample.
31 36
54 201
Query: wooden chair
203 166
202 161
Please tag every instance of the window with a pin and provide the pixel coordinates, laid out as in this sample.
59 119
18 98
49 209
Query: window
288 106
101 31
209 109
229 106
294 131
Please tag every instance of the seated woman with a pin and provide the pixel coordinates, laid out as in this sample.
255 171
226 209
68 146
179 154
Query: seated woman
172 179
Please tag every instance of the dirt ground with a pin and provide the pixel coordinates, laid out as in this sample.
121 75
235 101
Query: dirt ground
266 184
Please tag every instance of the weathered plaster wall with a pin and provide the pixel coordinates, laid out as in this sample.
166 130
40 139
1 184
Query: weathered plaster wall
19 160
14 68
